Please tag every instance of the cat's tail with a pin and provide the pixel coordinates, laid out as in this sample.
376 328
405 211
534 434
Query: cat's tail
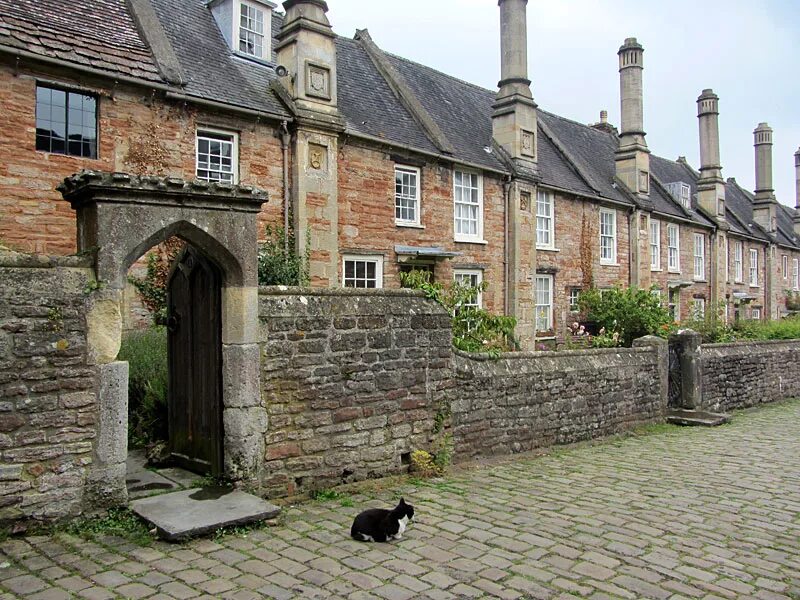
358 536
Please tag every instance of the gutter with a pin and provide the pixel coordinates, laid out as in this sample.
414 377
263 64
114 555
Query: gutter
506 246
285 139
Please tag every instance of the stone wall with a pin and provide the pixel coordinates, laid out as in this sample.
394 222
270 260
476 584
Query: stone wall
352 381
531 400
745 374
48 408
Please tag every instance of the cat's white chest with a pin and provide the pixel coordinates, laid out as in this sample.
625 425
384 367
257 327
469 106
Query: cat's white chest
402 523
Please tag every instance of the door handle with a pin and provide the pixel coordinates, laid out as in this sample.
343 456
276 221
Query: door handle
172 323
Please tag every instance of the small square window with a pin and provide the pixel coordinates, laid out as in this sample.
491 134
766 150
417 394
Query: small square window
66 122
362 271
574 294
217 156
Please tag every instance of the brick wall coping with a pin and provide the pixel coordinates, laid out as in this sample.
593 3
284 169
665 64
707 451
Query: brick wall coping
11 259
283 290
585 352
748 344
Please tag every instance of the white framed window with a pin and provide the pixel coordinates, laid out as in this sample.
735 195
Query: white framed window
574 293
656 293
471 278
755 314
785 266
738 269
544 302
467 206
406 195
608 236
699 256
217 156
545 220
681 192
796 274
699 308
362 271
673 248
753 267
251 29
674 298
655 245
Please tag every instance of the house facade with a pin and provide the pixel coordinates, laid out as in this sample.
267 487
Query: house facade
382 165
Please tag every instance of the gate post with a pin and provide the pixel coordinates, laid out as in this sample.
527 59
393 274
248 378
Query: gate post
691 370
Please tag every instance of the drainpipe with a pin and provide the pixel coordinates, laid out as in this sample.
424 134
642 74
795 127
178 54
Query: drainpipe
285 139
506 261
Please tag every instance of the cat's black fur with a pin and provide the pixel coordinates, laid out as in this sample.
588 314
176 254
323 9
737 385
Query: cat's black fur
381 525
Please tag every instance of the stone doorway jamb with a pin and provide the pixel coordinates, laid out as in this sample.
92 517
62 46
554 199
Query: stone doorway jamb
121 216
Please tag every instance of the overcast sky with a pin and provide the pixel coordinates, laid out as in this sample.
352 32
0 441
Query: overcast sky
748 51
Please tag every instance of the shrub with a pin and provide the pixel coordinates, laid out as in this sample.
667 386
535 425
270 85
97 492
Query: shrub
146 353
278 260
474 329
624 314
152 288
785 329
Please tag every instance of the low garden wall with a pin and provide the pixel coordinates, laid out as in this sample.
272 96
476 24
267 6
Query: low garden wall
744 374
352 382
48 407
531 400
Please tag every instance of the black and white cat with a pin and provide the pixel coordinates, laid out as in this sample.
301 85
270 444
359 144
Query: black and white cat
381 525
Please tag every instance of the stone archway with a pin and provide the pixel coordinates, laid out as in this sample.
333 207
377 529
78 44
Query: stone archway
119 217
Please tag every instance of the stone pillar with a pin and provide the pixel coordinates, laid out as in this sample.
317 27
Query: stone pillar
307 48
633 156
639 228
660 347
514 120
691 369
522 259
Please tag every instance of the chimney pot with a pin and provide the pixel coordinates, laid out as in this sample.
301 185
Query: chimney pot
604 119
762 140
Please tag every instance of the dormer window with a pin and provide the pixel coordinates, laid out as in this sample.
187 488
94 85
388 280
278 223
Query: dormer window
682 192
246 26
251 29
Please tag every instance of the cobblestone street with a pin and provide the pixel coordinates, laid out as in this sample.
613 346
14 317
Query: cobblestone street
675 513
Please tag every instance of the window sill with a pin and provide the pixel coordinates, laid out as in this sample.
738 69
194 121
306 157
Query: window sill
609 264
470 241
754 286
544 338
656 270
547 249
700 280
409 225
674 271
65 155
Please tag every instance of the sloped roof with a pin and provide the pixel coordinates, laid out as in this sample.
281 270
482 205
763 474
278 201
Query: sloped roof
669 171
100 34
211 70
740 202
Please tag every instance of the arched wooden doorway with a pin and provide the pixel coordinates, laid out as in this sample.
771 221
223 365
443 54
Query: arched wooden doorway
194 343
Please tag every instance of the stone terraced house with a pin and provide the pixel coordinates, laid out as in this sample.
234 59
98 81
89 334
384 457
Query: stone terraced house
383 164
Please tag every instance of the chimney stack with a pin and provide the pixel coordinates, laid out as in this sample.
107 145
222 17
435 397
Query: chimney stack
633 157
797 179
514 120
604 116
764 205
710 186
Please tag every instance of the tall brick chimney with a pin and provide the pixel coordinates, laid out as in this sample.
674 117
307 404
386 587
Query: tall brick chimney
514 125
711 186
765 204
633 156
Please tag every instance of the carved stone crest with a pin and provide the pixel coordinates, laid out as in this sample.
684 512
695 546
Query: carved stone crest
318 81
528 141
317 157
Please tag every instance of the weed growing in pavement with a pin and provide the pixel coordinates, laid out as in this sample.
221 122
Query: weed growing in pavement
119 522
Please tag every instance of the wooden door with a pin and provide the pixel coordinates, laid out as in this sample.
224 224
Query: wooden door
195 360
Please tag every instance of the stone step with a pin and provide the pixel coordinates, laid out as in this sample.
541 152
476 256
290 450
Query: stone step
697 418
198 511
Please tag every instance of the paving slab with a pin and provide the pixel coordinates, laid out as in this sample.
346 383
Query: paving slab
194 512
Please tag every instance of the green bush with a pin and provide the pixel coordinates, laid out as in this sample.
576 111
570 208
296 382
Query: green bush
474 329
279 262
623 315
146 353
785 329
